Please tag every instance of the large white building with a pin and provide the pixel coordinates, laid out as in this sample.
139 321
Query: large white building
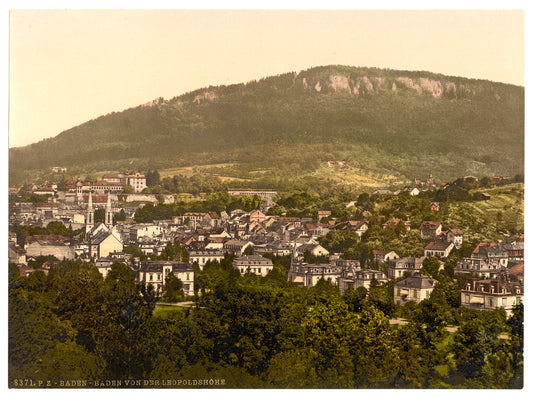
154 273
255 264
489 294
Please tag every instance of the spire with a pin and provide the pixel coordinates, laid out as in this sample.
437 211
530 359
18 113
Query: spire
108 220
89 219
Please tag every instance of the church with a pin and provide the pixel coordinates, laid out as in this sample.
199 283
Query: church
101 238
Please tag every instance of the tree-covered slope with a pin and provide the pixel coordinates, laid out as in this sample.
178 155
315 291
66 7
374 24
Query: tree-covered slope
407 122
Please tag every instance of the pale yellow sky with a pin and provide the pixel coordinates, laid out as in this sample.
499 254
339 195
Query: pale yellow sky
67 67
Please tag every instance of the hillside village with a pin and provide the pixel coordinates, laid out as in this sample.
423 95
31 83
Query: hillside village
493 272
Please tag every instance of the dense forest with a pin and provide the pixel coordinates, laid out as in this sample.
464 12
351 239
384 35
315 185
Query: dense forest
247 331
375 119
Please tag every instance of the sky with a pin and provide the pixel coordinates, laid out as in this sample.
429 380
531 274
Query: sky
70 66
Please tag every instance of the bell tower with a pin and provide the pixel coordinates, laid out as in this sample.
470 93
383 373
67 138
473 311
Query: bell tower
89 219
108 220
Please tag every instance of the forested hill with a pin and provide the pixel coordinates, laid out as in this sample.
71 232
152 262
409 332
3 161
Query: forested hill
407 122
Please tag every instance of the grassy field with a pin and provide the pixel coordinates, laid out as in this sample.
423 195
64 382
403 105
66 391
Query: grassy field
504 212
166 311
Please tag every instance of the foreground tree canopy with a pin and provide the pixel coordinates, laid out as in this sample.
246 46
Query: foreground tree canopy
252 332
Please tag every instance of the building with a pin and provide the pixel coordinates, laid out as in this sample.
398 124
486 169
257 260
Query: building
480 267
154 273
414 288
255 264
362 278
384 255
430 229
136 180
16 254
399 267
266 195
491 294
358 227
435 206
309 274
256 216
313 248
49 245
201 257
394 222
103 242
456 237
236 246
438 248
132 178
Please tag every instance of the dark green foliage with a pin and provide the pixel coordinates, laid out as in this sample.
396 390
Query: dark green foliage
251 332
173 289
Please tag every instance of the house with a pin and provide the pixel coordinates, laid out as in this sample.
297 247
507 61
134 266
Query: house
489 294
154 273
305 274
359 227
136 180
16 254
49 245
255 264
517 272
236 246
430 229
414 288
480 267
362 278
322 214
394 222
435 206
313 248
316 229
455 236
399 267
438 249
384 255
201 257
103 242
492 251
104 265
256 216
15 189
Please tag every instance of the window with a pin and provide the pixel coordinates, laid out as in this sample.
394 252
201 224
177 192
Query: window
427 293
415 293
517 300
490 302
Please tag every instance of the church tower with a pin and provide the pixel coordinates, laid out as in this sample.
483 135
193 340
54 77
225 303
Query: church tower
89 219
108 220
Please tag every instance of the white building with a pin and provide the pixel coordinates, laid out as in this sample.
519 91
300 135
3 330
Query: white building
255 264
154 273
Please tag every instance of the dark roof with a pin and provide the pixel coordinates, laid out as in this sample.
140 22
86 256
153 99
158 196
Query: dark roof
46 238
430 225
157 266
417 281
438 245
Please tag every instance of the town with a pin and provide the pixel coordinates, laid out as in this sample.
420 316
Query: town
208 236
100 223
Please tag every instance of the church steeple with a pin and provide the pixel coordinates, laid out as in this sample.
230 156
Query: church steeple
108 220
89 219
